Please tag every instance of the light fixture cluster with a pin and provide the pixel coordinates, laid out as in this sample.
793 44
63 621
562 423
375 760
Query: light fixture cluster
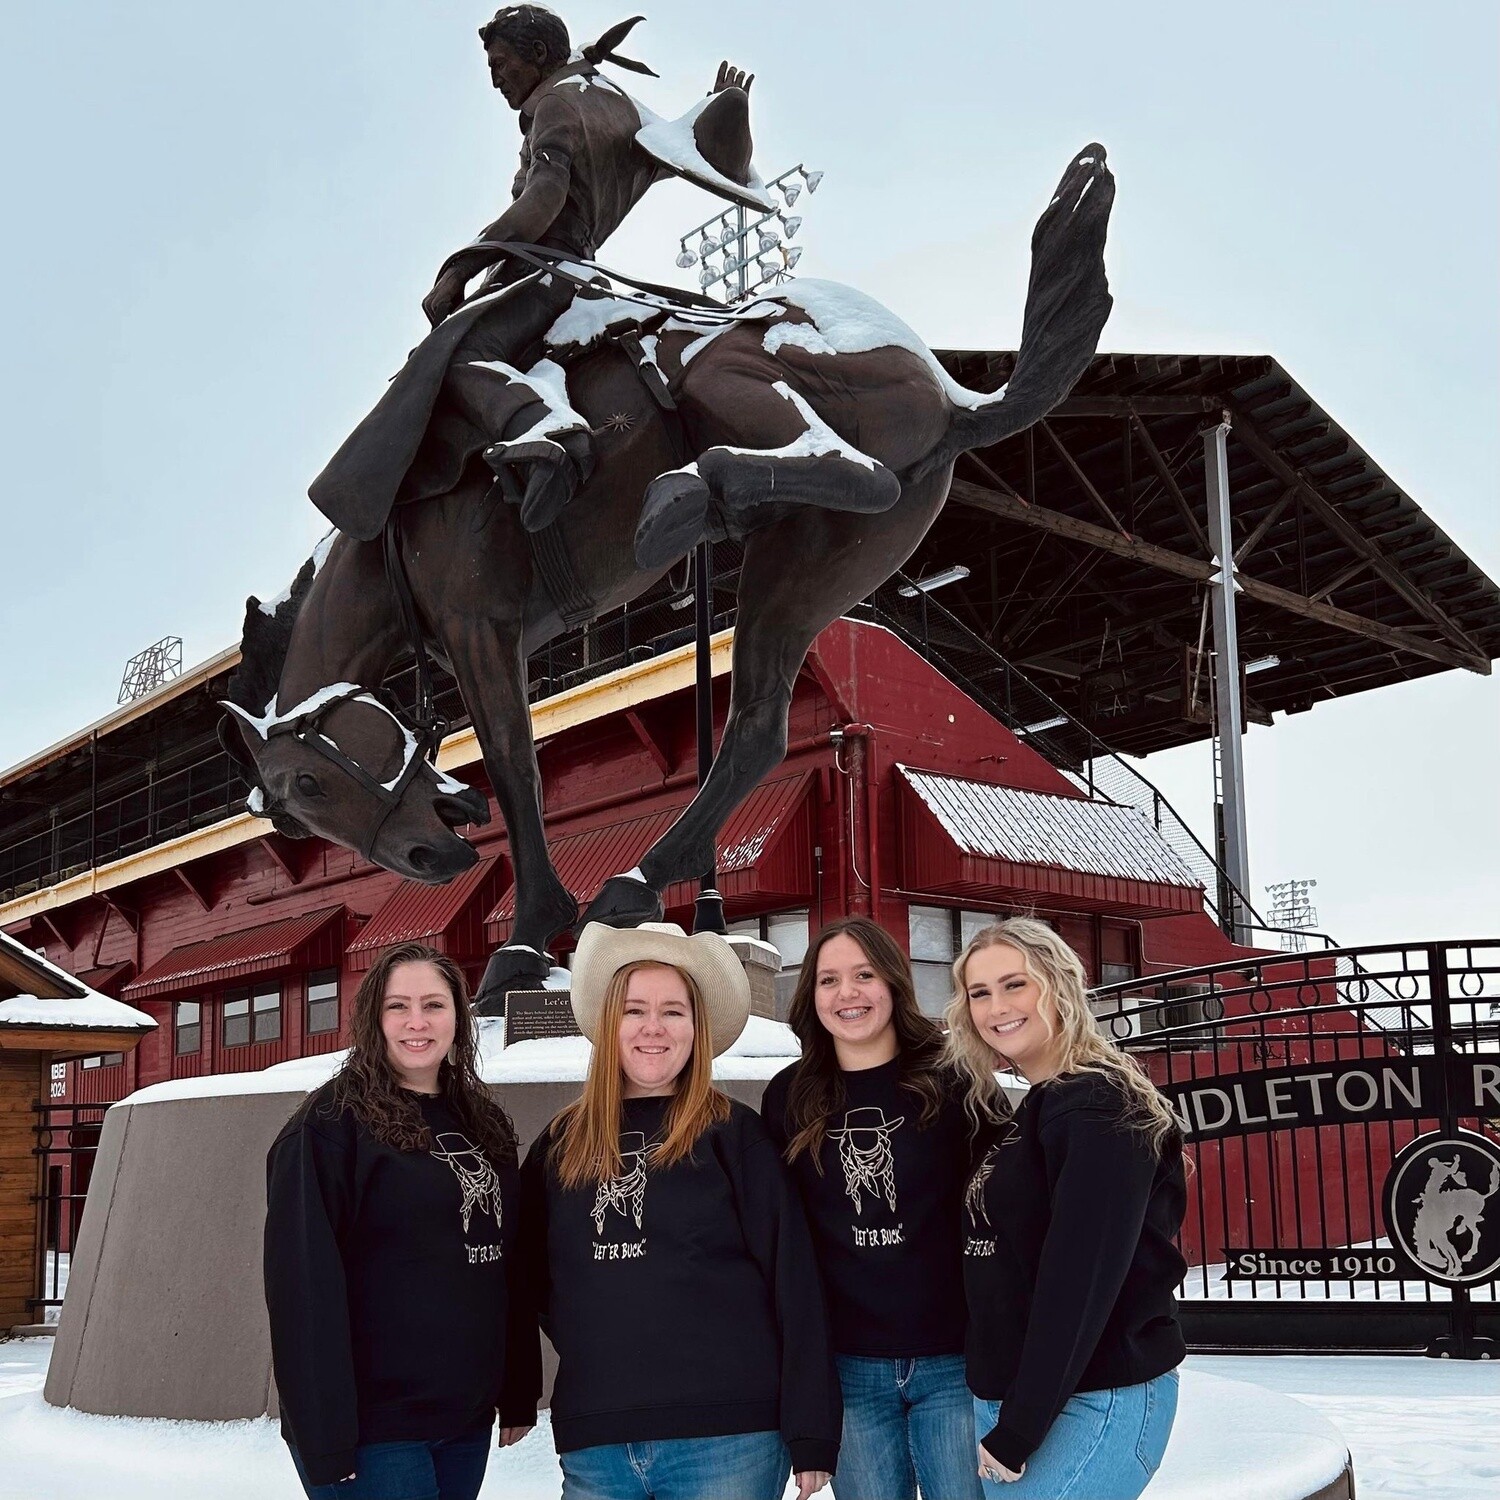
740 255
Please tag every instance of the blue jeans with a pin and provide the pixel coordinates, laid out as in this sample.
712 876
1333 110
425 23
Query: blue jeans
744 1466
448 1469
908 1425
1104 1445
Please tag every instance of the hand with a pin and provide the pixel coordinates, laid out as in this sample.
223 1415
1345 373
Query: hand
992 1469
810 1482
731 77
510 1436
445 296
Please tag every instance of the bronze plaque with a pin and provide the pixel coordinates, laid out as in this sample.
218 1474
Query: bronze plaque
533 1014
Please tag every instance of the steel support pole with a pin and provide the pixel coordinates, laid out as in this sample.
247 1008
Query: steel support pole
1227 703
708 909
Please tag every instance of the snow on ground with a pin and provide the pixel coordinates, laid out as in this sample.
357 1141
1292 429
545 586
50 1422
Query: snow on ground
1419 1430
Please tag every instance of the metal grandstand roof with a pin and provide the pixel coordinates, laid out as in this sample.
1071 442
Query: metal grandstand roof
1095 575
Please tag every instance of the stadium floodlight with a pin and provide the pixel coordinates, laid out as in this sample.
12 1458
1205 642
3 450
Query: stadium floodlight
935 581
754 249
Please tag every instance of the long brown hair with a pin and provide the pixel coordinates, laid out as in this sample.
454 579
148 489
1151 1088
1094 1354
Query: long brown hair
586 1139
367 1084
816 1092
1063 1007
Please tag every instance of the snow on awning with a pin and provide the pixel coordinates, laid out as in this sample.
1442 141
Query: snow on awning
765 850
968 838
448 917
313 940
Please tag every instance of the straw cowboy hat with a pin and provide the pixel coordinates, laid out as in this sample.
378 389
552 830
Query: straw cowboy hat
720 977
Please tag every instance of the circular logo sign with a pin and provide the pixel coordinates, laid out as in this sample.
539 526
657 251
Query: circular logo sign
1442 1207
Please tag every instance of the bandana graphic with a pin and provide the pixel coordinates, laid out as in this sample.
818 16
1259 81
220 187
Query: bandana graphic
476 1177
625 1194
865 1155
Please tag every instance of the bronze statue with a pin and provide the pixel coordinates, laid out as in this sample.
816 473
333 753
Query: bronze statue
811 424
586 161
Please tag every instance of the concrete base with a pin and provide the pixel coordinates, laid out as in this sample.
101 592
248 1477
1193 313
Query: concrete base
165 1314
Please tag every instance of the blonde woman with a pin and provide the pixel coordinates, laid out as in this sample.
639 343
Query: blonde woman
667 1251
1069 1262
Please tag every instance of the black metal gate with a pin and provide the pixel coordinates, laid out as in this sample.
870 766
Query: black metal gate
1342 1117
67 1140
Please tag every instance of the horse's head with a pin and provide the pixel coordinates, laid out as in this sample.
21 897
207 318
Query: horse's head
340 763
344 766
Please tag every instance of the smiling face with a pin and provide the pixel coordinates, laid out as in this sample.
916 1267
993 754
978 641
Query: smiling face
854 1004
1004 1005
656 1031
419 1022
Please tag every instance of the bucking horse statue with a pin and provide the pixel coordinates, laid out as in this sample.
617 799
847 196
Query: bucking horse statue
561 438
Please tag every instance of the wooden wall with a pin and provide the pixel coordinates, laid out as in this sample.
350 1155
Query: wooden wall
21 1085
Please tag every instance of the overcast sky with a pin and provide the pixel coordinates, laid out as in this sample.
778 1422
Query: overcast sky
222 220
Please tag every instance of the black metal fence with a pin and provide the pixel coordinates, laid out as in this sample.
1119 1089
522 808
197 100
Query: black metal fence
1341 1111
67 1142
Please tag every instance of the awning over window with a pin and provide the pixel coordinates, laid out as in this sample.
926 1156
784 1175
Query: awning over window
314 940
448 917
968 839
108 978
765 850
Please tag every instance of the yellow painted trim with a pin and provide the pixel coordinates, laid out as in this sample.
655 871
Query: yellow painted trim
615 691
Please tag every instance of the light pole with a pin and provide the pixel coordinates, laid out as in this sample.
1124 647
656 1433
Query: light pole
728 235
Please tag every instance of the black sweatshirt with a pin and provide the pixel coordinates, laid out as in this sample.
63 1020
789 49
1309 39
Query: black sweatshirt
386 1280
683 1301
885 1212
1069 1264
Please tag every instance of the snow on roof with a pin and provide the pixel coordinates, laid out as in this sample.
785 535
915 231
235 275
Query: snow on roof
1039 828
764 1048
77 1006
94 1012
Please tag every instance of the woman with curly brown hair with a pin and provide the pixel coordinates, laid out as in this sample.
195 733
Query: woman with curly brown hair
390 1224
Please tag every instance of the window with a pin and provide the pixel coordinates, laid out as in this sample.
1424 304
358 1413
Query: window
1115 973
187 1026
937 935
323 1001
786 932
252 1016
103 1060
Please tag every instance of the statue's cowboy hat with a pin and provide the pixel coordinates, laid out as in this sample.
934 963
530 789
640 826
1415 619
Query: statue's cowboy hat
869 1120
719 975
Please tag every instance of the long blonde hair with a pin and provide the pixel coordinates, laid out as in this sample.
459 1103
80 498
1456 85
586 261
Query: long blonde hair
1063 1008
586 1140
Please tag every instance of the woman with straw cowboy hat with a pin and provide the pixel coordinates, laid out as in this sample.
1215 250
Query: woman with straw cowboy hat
667 1251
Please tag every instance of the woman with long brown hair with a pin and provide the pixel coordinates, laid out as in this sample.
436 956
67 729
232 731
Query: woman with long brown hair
390 1229
873 1126
1069 1264
668 1252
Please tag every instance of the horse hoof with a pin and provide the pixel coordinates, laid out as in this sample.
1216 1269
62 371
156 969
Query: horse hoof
673 519
623 902
509 969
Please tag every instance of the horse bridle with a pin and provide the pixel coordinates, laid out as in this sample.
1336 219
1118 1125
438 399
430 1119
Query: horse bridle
420 749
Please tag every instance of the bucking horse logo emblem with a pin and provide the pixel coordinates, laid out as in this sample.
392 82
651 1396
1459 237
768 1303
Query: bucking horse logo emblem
1439 1206
625 1194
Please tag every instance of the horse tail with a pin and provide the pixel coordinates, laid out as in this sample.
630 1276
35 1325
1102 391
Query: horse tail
1067 304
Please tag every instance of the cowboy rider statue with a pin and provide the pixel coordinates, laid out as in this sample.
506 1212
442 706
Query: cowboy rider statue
588 155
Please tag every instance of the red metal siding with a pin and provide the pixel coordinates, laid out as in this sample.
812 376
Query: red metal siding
449 917
311 940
